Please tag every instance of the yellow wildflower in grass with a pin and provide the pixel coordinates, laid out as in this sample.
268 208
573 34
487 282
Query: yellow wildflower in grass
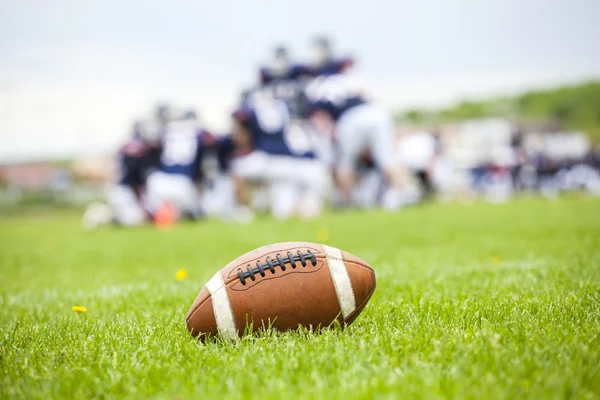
323 235
79 309
181 274
496 260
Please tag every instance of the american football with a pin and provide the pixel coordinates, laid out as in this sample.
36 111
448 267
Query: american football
282 286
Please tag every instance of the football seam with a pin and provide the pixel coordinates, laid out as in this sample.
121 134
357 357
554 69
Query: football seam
227 283
230 278
277 277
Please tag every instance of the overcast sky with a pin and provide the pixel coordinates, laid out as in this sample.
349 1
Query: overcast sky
73 74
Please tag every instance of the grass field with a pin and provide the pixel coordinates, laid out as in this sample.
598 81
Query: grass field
482 301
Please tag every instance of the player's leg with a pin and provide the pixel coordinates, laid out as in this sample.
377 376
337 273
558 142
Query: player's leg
443 177
186 197
219 198
127 210
158 190
351 141
312 184
382 144
368 188
283 198
248 170
283 184
592 181
96 214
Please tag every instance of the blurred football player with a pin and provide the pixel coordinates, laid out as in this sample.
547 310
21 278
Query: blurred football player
219 191
163 114
136 160
359 126
417 152
369 183
281 156
283 79
323 61
183 145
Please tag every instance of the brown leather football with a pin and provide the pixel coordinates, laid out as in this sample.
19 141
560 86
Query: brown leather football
283 286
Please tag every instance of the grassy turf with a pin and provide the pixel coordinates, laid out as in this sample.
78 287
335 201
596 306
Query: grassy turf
483 301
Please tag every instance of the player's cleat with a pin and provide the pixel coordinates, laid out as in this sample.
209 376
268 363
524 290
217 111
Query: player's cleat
95 215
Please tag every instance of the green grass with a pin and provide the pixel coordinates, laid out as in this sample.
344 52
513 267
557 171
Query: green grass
482 301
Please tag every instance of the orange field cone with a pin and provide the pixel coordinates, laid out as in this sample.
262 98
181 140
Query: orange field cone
165 215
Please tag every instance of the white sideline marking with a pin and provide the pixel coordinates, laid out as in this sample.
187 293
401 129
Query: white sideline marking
341 280
222 307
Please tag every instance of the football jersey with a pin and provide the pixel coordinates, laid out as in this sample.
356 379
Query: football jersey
131 163
333 95
183 145
333 67
294 73
136 159
225 150
286 87
274 131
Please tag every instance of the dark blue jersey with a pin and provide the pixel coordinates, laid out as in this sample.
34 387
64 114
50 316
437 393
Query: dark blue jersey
183 145
287 86
130 159
225 150
333 67
333 95
294 73
274 132
135 161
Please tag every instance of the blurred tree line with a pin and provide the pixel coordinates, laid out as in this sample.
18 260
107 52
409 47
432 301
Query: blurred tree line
574 107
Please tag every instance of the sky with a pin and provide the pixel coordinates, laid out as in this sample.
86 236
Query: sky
74 74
